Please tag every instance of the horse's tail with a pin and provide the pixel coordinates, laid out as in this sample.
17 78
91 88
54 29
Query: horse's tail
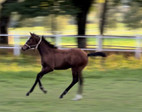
97 54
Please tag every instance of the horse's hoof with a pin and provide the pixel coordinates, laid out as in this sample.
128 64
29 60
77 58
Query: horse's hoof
78 97
61 97
45 91
27 94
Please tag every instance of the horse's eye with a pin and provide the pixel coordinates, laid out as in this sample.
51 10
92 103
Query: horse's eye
30 40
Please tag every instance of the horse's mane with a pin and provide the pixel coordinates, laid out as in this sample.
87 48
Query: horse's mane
48 43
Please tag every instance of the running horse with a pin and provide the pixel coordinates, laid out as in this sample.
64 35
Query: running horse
53 58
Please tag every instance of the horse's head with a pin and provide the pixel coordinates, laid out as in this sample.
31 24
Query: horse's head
32 42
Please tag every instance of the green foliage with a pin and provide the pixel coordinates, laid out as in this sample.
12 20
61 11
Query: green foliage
117 2
32 8
132 16
111 14
131 2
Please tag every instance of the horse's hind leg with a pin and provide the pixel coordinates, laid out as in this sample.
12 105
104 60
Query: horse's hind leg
80 88
74 81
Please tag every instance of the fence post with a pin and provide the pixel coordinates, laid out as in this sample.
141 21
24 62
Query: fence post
138 47
99 42
16 46
58 40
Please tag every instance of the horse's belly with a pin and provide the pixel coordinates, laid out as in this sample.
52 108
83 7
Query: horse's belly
62 66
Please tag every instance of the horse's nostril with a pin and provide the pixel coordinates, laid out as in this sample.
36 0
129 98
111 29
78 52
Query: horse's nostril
23 48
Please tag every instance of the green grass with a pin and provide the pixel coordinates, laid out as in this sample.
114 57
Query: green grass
114 86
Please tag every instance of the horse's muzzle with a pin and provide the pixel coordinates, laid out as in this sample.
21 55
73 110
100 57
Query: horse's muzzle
24 48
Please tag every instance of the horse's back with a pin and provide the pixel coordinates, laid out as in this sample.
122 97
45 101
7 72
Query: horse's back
70 58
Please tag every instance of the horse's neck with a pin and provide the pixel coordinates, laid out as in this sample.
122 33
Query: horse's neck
44 49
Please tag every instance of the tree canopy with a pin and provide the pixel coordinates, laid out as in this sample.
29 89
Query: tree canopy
34 8
130 16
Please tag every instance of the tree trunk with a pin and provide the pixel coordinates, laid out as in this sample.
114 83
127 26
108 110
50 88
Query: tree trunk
81 17
81 23
4 21
103 17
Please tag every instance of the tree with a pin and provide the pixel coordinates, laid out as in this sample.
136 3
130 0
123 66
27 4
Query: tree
83 6
4 20
34 8
133 16
108 14
103 17
77 8
131 12
30 9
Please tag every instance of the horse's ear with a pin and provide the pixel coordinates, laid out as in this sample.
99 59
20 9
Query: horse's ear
31 34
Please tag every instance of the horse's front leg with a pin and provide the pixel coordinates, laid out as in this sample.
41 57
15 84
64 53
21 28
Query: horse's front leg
41 87
39 76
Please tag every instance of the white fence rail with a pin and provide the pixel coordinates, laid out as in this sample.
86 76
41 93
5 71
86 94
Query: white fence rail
99 44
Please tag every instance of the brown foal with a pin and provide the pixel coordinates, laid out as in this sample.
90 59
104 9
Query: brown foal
53 58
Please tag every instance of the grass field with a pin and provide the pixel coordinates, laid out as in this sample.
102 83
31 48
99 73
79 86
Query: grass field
115 86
